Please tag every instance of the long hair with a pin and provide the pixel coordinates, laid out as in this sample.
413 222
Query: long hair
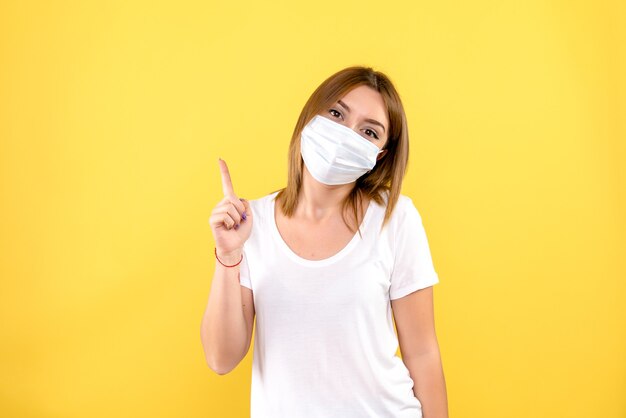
386 176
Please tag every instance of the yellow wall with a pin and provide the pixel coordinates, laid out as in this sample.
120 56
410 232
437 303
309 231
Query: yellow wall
113 115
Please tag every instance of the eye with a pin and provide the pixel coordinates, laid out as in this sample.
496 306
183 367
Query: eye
335 113
373 133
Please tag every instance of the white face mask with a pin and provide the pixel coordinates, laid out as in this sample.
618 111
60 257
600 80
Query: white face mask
335 154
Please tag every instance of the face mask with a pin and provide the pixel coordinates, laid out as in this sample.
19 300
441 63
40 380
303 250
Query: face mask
335 154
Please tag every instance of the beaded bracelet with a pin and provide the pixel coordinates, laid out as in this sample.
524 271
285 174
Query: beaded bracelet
234 265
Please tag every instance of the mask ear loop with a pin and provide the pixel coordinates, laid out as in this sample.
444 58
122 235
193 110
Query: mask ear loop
379 152
369 171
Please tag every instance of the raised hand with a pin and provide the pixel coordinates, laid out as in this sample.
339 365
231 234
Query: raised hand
231 221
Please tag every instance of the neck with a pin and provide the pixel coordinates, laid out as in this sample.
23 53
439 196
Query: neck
319 201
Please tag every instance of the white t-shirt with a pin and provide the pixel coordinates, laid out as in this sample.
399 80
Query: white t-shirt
325 344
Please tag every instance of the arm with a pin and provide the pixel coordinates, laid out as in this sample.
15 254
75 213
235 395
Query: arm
414 318
226 329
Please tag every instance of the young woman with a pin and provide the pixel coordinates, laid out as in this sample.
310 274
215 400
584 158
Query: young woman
324 263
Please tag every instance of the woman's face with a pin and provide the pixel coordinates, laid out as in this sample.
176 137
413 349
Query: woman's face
363 110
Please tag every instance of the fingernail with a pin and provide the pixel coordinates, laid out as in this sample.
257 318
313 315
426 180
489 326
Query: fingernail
237 226
244 216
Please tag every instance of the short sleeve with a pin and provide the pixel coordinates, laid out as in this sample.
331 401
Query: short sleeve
413 265
244 272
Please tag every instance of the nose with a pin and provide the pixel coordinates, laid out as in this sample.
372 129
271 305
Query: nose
353 126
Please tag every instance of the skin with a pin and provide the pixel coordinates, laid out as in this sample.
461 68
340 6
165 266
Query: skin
319 214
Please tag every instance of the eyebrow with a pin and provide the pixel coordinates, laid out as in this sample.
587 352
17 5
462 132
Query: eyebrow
375 122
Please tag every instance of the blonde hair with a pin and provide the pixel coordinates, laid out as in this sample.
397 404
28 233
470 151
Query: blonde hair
387 174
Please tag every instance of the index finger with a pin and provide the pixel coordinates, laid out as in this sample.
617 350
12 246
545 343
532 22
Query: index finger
227 185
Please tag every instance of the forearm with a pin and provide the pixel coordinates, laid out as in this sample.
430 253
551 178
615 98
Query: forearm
224 330
429 383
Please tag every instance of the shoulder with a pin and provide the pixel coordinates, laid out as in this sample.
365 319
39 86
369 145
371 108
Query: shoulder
261 205
404 207
405 204
404 214
264 199
403 200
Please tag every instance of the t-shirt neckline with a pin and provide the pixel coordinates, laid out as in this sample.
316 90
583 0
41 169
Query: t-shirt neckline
316 263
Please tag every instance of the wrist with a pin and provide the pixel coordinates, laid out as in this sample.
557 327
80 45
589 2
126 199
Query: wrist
229 258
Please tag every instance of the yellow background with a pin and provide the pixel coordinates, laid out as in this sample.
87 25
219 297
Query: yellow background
113 115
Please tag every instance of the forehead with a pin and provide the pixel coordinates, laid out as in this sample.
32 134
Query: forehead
366 102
